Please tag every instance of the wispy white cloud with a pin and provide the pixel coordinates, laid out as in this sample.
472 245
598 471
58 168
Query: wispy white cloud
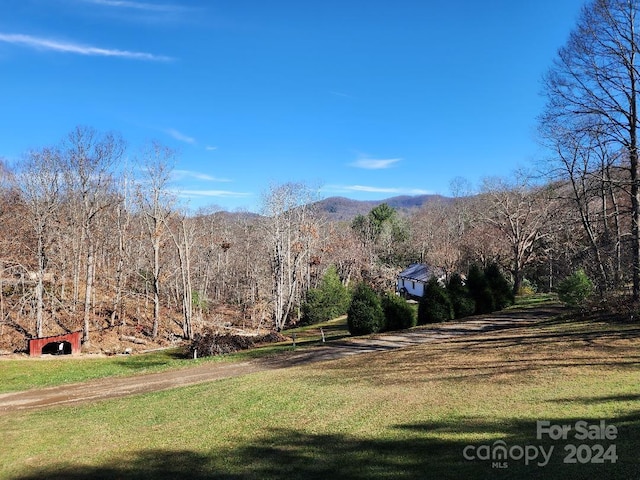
149 7
210 148
340 94
180 136
40 43
370 189
213 193
182 174
375 163
150 11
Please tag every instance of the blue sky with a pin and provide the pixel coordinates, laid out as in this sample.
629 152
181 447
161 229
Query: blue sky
366 98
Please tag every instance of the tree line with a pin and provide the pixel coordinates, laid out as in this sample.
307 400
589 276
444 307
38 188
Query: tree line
91 241
88 244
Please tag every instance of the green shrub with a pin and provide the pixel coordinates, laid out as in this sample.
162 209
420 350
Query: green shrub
434 305
501 289
365 314
575 289
489 289
479 290
314 309
462 303
398 313
329 300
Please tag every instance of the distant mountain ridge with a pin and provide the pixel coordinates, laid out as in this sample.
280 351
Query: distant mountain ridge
342 208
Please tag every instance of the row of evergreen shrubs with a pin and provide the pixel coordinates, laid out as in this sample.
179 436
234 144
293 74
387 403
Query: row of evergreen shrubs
373 313
486 290
368 311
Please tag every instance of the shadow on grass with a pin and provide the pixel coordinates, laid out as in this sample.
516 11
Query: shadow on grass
497 357
421 450
141 364
337 347
596 400
153 359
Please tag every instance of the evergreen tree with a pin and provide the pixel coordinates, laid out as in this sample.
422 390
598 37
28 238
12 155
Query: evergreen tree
398 313
365 314
434 305
329 300
501 290
463 304
479 290
575 289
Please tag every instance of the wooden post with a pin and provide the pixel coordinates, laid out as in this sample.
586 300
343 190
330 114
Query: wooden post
322 333
293 335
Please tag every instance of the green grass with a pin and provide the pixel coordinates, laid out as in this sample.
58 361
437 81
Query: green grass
28 373
399 414
526 301
333 330
24 374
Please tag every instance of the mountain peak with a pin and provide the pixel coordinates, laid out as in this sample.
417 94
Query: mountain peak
342 208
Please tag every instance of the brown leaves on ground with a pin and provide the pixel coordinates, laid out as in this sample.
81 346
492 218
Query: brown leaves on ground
212 343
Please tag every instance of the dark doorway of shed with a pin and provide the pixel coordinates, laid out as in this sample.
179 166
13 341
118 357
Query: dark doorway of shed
57 348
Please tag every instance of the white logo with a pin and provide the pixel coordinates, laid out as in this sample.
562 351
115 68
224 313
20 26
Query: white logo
500 454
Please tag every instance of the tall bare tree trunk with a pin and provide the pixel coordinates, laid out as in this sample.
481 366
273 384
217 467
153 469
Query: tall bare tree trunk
156 286
633 147
39 293
88 291
156 204
182 241
122 222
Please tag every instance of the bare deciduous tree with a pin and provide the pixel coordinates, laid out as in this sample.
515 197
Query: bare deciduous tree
183 235
587 178
156 204
593 87
40 182
439 229
287 208
122 220
90 159
518 211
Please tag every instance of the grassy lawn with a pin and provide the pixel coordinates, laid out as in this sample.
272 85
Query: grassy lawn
410 413
24 374
28 373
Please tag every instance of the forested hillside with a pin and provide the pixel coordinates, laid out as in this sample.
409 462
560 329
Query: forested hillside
87 245
341 208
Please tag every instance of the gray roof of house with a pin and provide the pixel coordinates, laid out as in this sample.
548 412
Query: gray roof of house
419 272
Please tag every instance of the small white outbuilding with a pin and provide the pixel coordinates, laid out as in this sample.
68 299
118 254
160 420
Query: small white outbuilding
412 280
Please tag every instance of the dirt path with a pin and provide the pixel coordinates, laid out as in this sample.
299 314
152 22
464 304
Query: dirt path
114 387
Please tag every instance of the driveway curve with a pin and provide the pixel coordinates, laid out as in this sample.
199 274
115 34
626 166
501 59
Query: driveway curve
115 387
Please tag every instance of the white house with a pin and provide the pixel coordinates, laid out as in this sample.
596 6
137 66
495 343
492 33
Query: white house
412 280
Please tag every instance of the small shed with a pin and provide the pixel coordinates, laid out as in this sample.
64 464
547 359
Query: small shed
412 280
67 344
